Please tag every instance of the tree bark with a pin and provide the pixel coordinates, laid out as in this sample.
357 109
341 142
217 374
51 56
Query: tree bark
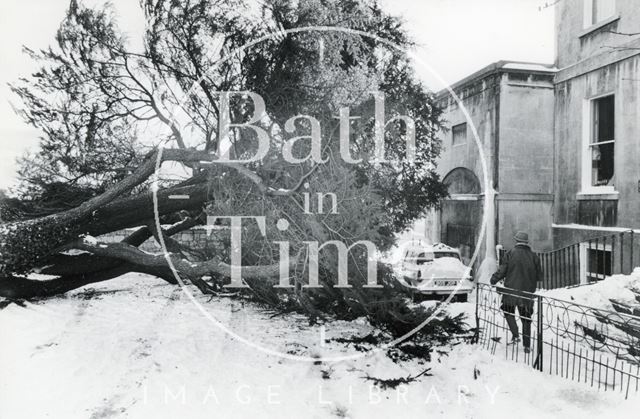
24 244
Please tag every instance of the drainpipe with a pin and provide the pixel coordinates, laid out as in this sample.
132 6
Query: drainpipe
490 216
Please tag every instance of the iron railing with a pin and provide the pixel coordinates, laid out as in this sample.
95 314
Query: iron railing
581 343
588 261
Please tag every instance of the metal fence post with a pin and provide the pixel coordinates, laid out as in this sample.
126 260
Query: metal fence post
476 337
631 251
621 237
540 344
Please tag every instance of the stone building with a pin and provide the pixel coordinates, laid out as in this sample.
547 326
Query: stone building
510 119
561 141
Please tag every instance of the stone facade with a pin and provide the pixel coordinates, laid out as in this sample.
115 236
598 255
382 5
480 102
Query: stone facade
599 60
508 119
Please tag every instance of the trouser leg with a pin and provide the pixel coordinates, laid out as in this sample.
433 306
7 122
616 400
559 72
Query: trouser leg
526 311
509 311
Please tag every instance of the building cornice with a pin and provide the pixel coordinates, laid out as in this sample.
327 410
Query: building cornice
502 66
614 55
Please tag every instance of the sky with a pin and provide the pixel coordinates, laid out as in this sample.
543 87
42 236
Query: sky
455 38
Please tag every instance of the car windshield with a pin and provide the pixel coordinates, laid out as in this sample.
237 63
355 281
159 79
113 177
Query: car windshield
447 255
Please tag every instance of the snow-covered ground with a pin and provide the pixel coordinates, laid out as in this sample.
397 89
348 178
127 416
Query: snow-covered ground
138 348
598 295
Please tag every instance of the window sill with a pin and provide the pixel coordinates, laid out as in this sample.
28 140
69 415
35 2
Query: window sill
598 25
596 195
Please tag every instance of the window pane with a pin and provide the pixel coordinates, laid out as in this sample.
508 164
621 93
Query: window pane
602 155
603 9
459 133
604 119
599 263
602 164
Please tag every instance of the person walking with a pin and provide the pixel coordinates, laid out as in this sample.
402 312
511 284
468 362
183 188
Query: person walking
521 270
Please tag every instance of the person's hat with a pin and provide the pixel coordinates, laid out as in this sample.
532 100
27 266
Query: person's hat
521 237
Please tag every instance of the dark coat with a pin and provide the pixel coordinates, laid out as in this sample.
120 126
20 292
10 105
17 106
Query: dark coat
521 270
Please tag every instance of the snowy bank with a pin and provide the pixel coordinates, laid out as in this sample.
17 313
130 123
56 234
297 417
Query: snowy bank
136 347
598 295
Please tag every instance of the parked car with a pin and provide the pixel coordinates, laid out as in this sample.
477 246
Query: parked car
435 270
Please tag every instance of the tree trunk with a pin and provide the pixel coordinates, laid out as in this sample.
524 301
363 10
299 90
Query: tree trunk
26 245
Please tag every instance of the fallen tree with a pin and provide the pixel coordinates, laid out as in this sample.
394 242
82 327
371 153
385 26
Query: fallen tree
98 171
